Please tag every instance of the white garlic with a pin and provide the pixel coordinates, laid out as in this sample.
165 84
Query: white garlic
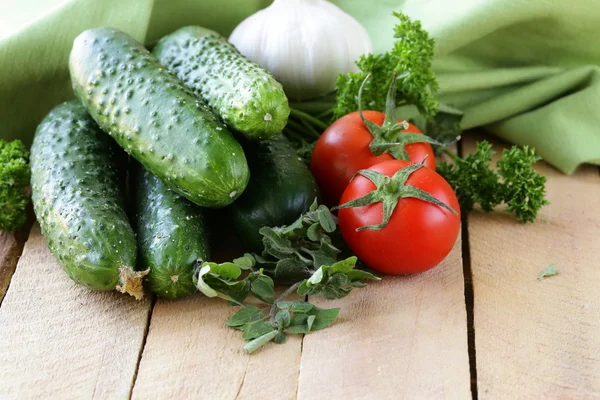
306 44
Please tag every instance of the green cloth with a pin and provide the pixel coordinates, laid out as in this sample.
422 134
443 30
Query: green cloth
526 70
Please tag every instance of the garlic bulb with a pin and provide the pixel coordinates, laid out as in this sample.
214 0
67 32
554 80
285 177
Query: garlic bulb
306 44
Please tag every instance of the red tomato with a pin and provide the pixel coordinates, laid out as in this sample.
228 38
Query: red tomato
419 234
343 149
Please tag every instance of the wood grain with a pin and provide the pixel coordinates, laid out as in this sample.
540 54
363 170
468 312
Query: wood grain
10 250
190 353
11 247
539 339
402 338
60 340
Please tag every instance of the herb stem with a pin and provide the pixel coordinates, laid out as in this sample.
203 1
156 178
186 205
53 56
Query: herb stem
283 295
309 118
291 124
451 154
292 133
311 129
325 113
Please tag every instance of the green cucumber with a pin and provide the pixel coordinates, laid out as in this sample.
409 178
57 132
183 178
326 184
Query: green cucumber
281 188
244 95
156 119
172 236
78 199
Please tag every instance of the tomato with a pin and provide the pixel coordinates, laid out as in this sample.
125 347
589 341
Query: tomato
343 149
419 234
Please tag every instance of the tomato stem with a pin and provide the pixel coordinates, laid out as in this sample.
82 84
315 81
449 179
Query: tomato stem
452 155
388 191
391 137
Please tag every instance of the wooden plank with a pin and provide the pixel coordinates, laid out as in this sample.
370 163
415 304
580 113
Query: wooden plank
60 340
190 353
539 339
11 247
402 338
10 250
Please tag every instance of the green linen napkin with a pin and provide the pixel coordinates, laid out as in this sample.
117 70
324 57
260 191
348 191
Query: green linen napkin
525 70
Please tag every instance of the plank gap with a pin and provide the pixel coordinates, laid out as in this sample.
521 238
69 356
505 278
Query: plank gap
469 304
139 360
469 294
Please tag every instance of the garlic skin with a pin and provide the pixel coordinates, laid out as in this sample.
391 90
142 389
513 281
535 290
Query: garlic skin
305 44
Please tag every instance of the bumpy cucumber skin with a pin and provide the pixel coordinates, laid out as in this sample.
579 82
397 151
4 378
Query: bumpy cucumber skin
172 236
78 197
244 95
281 188
156 119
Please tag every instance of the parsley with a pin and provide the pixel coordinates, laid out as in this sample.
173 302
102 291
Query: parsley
14 178
515 182
410 59
306 256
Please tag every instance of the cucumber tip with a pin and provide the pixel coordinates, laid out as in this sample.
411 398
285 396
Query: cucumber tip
131 282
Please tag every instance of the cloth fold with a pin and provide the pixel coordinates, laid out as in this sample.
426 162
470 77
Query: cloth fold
525 70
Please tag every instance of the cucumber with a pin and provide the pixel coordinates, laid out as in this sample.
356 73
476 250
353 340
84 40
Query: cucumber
244 95
172 236
281 188
151 114
78 200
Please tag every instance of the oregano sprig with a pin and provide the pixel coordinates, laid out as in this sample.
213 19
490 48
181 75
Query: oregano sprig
306 256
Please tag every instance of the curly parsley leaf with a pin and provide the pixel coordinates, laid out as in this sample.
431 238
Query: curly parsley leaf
14 178
524 189
410 59
515 183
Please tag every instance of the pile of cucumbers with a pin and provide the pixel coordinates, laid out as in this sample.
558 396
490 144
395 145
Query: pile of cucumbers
202 126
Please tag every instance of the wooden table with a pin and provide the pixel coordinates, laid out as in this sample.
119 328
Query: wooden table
480 324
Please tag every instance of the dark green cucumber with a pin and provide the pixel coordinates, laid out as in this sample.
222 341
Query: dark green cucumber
156 119
172 236
281 188
78 200
244 95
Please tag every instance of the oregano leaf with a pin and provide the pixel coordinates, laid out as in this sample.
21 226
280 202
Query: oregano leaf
313 232
283 318
317 277
263 287
260 341
202 285
256 329
326 219
245 262
344 266
244 316
323 317
310 321
280 338
227 270
291 270
301 307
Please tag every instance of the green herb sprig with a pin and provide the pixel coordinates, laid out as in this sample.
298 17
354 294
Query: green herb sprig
410 59
515 182
14 178
306 255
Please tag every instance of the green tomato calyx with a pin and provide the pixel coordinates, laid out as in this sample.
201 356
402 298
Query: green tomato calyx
391 137
389 190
